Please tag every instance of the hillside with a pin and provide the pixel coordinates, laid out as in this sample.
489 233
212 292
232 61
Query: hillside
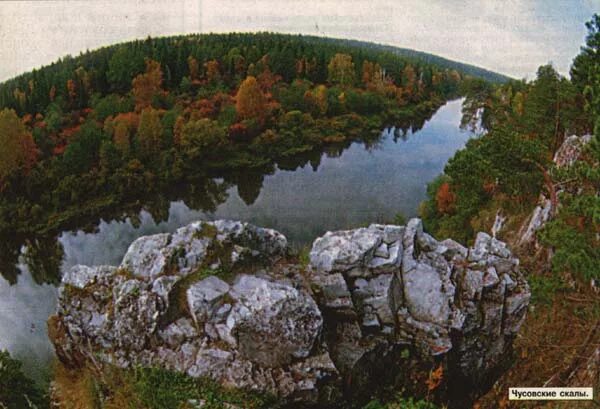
110 131
467 69
532 180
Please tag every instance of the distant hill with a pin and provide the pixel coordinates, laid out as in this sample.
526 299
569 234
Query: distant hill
467 69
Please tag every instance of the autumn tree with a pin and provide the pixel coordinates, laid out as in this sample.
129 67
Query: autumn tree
250 101
409 81
17 148
147 85
445 199
178 129
341 69
149 134
72 90
121 138
213 73
317 100
193 68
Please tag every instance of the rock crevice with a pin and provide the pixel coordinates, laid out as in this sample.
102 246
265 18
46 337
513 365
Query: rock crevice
376 307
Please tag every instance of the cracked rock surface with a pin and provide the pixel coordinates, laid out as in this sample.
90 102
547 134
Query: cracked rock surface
376 307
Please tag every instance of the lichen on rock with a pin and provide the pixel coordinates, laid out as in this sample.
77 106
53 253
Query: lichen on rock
376 307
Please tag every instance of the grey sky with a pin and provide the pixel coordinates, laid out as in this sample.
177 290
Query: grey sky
513 37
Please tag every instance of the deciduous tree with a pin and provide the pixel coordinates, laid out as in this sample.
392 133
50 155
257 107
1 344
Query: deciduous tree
147 85
341 69
149 134
250 101
17 148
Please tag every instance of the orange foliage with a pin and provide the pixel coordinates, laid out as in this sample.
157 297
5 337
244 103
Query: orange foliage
409 81
193 68
206 109
435 378
147 85
132 119
267 79
445 198
489 187
72 90
213 74
238 132
121 138
68 133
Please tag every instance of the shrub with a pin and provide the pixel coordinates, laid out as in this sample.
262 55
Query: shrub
17 391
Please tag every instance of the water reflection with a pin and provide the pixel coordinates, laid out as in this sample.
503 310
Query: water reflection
24 309
303 196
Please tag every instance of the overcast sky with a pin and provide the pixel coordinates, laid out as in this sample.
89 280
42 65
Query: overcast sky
512 37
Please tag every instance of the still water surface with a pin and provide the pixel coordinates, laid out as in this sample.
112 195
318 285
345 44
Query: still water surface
359 186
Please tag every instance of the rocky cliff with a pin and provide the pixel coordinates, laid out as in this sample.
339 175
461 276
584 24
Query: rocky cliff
377 309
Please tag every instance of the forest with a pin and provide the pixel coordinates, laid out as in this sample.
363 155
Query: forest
98 134
508 171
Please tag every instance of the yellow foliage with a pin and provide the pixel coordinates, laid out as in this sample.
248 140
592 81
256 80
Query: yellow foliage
341 69
250 101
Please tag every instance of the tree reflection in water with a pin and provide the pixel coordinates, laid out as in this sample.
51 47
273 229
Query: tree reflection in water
43 253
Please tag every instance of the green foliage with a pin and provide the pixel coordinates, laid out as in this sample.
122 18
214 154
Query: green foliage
507 165
401 403
198 136
16 390
544 288
83 152
110 105
400 219
161 389
123 66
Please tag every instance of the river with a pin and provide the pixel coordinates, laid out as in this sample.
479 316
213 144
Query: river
354 187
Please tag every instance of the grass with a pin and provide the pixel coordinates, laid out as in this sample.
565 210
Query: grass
146 388
75 389
402 403
553 337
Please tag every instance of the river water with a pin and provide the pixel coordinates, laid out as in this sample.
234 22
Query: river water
360 185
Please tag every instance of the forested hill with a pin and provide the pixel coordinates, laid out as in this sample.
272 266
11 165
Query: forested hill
112 68
466 69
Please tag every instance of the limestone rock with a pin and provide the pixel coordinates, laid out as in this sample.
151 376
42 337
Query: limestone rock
273 323
377 307
79 276
203 297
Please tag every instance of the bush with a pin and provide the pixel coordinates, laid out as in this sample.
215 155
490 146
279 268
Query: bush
17 391
401 403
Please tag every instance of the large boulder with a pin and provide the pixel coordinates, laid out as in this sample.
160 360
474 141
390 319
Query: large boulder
390 286
382 306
